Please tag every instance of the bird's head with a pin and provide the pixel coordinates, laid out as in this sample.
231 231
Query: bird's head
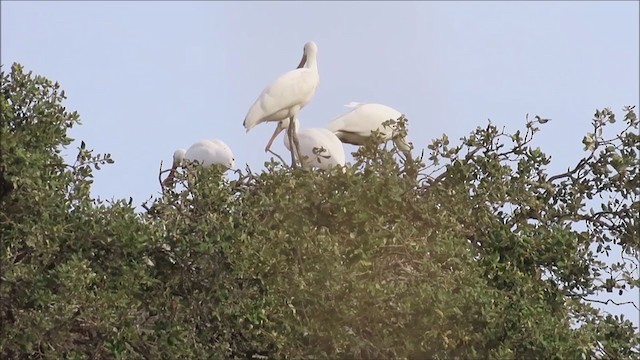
178 157
310 50
404 146
231 164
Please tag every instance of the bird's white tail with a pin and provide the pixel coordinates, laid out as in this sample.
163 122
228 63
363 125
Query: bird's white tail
253 116
353 104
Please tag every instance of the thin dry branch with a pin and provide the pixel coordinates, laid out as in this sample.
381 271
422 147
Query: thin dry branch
613 302
279 157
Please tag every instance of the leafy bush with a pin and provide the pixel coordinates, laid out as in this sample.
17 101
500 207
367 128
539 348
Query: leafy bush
482 254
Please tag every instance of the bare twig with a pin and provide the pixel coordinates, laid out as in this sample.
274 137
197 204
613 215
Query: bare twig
613 302
582 163
278 156
160 172
467 157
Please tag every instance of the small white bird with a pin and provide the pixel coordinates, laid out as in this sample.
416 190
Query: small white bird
287 95
355 126
319 147
204 153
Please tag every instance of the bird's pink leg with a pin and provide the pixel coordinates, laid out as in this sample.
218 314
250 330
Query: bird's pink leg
295 141
290 134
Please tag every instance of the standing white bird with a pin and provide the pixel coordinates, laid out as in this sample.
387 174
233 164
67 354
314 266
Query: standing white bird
204 153
319 147
287 95
355 126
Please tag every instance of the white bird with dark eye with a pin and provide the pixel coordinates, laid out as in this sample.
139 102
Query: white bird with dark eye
319 147
355 126
203 153
287 95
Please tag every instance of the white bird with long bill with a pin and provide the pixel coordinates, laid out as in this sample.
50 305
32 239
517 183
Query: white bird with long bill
203 153
319 147
287 95
355 126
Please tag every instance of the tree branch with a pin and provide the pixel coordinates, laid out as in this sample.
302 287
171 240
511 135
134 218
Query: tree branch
278 156
582 163
613 302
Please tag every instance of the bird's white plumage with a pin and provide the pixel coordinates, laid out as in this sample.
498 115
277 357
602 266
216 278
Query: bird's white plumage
204 153
363 119
356 125
288 94
209 152
329 153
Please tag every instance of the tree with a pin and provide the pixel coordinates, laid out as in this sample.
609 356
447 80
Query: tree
482 254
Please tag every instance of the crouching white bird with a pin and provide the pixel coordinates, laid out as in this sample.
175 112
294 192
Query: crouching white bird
204 153
287 95
355 126
319 147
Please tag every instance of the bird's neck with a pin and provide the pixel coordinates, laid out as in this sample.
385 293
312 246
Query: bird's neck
312 64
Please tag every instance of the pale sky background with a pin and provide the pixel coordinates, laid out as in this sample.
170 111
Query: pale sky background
150 77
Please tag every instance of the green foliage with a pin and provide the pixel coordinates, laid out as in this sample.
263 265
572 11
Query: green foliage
480 255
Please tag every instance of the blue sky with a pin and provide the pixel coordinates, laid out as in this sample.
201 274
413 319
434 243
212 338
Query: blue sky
150 77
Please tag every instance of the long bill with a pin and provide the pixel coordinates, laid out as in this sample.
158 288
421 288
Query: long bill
278 130
303 60
168 182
